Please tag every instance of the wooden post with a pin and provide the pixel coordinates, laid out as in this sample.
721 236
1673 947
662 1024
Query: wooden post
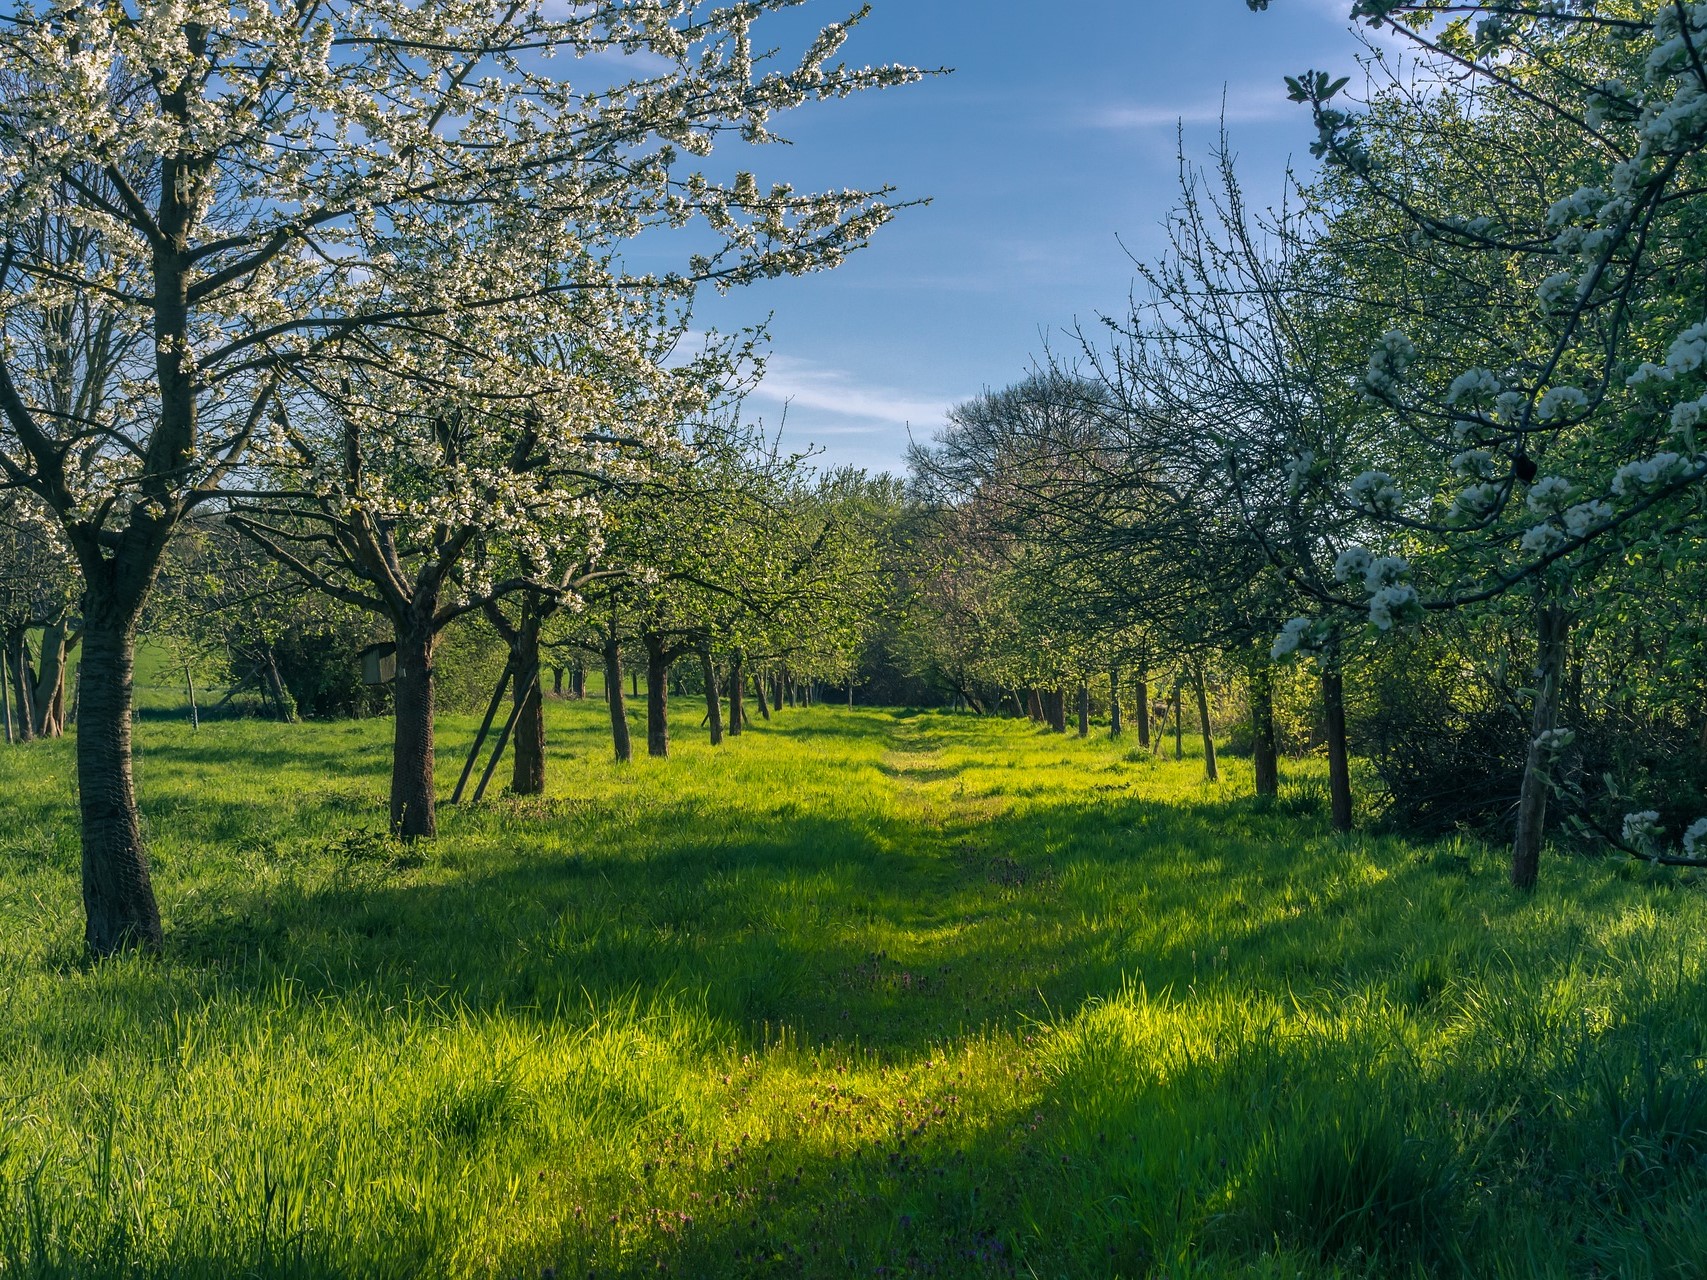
485 728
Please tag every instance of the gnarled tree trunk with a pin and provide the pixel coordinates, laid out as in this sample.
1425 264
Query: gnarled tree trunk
118 893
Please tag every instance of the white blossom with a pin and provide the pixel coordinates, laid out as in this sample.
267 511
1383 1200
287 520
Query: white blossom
1351 563
1549 493
1561 401
1695 839
1542 539
1291 638
1473 464
1586 517
1384 571
1633 477
1643 828
1393 604
1376 490
1556 739
1474 385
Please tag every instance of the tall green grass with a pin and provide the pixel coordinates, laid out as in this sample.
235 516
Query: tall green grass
861 993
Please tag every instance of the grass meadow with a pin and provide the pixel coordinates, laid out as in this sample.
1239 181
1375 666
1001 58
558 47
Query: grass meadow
860 993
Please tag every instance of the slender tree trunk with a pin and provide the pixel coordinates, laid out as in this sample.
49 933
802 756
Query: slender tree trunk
1084 709
620 742
527 761
578 681
190 688
788 688
713 704
6 693
556 681
759 693
414 814
1265 752
1058 710
118 895
1209 768
1179 724
1142 706
1339 759
48 696
281 695
1553 626
737 695
18 647
1034 706
1114 725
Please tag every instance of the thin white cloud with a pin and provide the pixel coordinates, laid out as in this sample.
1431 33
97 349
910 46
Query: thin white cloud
1268 102
815 389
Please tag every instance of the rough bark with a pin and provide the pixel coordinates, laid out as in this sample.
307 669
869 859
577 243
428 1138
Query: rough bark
1209 767
759 693
1084 710
578 682
18 657
1034 706
1114 725
556 681
1265 752
1058 710
47 697
657 697
1552 634
118 894
713 705
620 742
737 696
414 813
1339 759
527 761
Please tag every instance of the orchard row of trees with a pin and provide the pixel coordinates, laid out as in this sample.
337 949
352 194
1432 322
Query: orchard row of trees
1433 425
353 282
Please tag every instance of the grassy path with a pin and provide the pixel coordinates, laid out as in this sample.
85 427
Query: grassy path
863 993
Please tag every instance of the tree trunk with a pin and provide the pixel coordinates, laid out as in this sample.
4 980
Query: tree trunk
6 693
556 681
1265 752
620 742
1142 706
1114 725
737 695
48 697
1552 633
713 705
788 688
18 652
413 792
1084 709
190 688
1209 769
527 763
657 698
1179 724
1339 761
1058 710
118 896
281 695
759 693
1034 706
578 681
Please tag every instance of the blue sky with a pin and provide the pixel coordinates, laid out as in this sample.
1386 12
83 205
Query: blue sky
1050 147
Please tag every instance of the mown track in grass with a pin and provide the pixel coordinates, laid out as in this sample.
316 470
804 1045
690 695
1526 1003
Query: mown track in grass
868 993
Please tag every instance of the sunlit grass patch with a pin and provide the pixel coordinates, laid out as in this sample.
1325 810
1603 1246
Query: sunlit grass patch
856 993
